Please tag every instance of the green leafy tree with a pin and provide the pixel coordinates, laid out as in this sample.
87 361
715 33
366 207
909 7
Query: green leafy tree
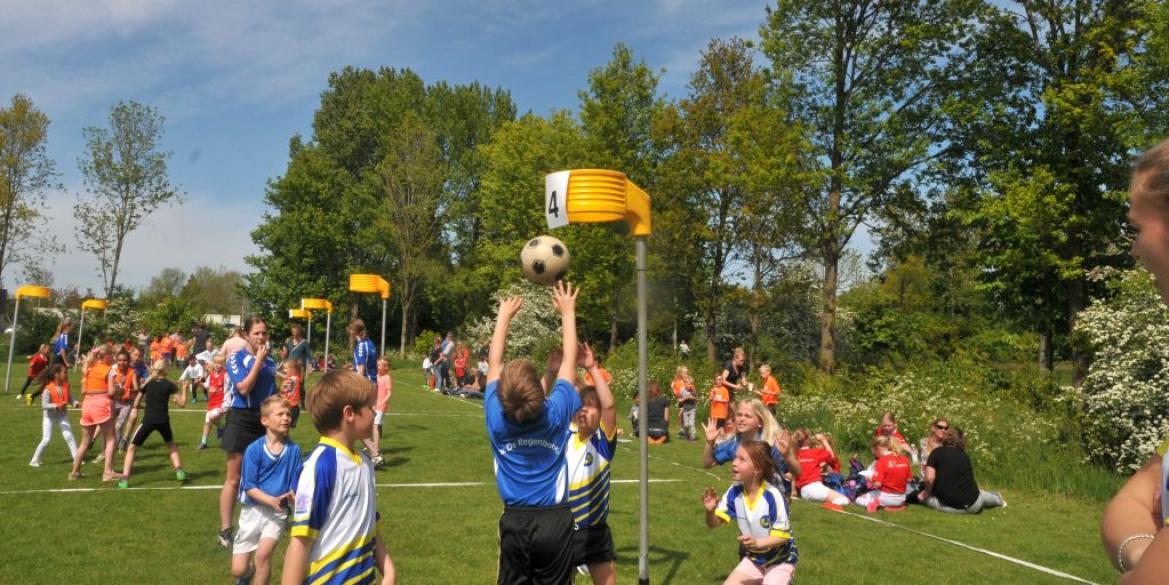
126 176
26 172
867 80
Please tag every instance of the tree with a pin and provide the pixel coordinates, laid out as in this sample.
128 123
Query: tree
867 80
169 282
617 113
126 175
1065 94
214 290
26 171
410 183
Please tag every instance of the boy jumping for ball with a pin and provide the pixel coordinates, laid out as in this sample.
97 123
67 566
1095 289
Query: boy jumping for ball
336 501
529 434
268 475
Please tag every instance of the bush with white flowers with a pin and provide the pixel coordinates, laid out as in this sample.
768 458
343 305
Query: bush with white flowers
1126 392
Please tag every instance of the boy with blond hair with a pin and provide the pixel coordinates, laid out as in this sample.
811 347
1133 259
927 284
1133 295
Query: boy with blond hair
336 501
270 466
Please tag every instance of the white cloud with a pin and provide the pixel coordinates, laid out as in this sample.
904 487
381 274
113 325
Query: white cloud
200 232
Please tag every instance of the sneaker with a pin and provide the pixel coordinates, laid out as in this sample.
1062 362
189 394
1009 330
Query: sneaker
74 475
19 396
180 475
124 484
202 445
378 460
34 463
27 399
224 537
583 569
247 578
100 457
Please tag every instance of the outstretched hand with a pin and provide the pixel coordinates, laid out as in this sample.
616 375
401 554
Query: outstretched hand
564 297
508 307
710 429
709 499
584 357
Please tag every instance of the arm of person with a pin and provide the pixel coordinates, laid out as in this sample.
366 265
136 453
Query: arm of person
181 398
507 309
727 384
258 495
714 517
384 563
243 387
711 432
138 401
604 393
1133 510
927 485
296 560
767 542
564 301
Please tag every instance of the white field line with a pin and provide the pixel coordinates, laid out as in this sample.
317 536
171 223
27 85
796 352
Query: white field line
422 485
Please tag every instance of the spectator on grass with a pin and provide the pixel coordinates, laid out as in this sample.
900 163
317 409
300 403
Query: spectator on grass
444 366
435 358
753 422
816 456
933 437
888 428
1131 527
949 484
735 372
657 421
298 348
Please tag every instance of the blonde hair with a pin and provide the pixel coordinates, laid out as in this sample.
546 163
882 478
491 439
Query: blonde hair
157 370
769 427
272 402
333 392
1152 171
882 442
765 368
520 392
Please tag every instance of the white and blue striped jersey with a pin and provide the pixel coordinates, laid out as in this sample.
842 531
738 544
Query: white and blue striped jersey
530 467
336 506
239 364
760 516
588 476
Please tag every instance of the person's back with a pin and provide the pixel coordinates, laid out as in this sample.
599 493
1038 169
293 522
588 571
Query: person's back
954 485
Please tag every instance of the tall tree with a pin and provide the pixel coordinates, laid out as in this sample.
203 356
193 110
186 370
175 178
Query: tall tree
867 80
1067 92
617 113
125 174
26 171
410 181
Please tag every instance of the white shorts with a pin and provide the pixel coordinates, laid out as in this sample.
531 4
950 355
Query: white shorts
780 574
256 522
212 414
818 492
887 500
378 415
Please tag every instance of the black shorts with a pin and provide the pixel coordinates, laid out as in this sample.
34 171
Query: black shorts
535 546
243 428
146 428
593 544
295 412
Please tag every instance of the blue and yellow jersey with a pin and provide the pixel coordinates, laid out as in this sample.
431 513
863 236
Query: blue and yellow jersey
365 354
336 506
588 475
759 516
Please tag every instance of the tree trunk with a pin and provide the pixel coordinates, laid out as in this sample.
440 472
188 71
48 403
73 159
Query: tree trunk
1046 352
1077 300
828 311
405 326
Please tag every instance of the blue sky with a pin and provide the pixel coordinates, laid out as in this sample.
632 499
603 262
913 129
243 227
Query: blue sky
236 80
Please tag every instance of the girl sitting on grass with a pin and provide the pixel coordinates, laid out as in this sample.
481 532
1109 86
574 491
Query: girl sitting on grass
757 507
815 454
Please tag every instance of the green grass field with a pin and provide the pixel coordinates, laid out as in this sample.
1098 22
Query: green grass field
156 533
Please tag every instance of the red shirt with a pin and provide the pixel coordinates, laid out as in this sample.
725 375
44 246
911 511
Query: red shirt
215 389
810 460
892 472
36 365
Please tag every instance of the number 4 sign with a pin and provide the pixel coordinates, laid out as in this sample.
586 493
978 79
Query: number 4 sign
555 199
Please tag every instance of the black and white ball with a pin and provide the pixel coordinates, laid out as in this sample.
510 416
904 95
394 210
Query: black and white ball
544 260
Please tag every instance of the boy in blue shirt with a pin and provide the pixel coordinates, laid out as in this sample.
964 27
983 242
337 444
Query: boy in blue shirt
270 468
529 434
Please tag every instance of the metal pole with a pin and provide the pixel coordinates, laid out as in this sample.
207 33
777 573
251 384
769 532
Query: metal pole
382 349
309 339
328 325
643 417
80 330
12 347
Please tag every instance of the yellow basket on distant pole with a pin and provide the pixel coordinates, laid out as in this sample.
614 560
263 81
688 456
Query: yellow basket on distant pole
31 291
321 305
372 283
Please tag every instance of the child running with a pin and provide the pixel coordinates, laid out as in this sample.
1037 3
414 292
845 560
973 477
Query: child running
385 388
762 516
215 411
529 433
291 388
891 475
336 500
590 453
96 413
157 393
270 468
54 401
37 363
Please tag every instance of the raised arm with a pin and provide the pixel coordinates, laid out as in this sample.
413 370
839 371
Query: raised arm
1133 510
564 301
507 309
604 393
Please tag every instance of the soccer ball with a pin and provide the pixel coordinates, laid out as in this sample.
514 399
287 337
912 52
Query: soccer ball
544 260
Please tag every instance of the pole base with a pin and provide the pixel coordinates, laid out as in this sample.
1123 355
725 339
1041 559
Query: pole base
643 581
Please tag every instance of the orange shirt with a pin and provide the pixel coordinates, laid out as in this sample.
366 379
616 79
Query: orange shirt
126 381
155 351
181 350
588 378
771 390
290 390
720 400
97 379
58 395
168 345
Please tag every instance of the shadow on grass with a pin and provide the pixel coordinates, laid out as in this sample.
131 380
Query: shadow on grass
657 555
396 461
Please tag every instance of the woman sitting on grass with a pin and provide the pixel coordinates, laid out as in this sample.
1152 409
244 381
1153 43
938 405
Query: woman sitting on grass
949 479
933 438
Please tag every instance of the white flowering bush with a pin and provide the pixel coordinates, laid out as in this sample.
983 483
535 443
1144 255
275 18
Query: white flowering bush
1126 393
534 330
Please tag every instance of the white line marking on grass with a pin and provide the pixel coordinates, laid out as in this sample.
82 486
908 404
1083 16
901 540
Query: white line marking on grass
984 551
423 485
